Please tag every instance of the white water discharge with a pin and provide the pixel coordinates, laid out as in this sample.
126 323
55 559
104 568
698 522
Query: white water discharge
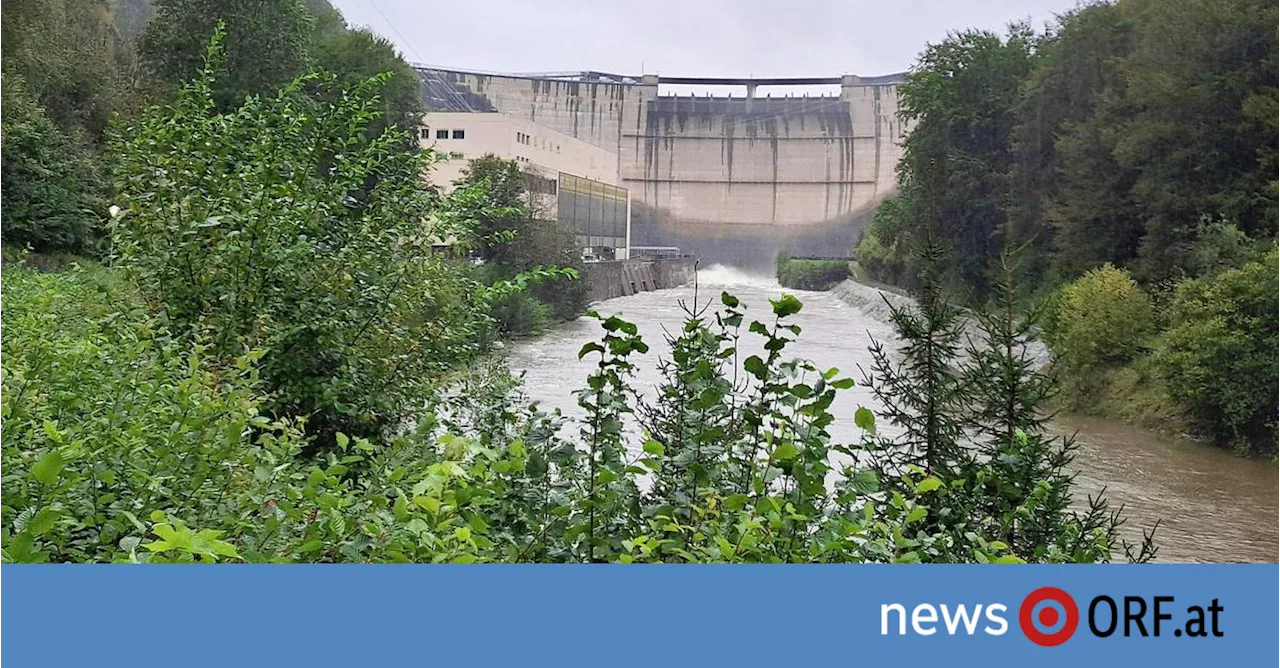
1212 505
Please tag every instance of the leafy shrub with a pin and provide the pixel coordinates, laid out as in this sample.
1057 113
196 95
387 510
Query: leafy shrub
282 226
516 235
1102 317
267 43
1220 357
810 274
49 183
107 419
521 315
1219 245
551 243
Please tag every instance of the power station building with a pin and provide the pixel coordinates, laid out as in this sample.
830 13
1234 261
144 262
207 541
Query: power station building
572 181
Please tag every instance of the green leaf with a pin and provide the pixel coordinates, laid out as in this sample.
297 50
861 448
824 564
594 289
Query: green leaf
844 384
918 513
43 521
865 419
536 465
135 520
48 468
1009 559
654 448
51 430
785 452
928 485
785 306
755 366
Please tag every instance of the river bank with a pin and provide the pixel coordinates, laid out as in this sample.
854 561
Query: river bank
1125 393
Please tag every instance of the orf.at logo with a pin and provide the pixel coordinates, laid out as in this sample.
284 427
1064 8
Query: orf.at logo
1048 616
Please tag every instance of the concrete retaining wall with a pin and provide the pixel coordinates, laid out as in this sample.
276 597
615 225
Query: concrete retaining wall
623 278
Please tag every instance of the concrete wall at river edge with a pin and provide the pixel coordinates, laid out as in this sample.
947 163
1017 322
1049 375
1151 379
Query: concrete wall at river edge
879 302
623 278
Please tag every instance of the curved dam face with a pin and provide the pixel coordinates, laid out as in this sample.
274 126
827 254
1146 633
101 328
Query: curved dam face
756 174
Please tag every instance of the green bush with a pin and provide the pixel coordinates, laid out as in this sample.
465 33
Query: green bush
521 315
107 419
1101 318
517 237
1219 358
282 226
810 274
123 443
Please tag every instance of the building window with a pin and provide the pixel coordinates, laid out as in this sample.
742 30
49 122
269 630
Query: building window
455 156
426 133
459 134
442 134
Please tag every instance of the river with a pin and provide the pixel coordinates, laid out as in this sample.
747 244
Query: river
1212 506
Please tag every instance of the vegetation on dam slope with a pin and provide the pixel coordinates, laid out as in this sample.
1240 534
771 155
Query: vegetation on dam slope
810 274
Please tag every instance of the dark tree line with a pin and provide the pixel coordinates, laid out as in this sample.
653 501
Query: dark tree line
1127 159
71 65
1130 132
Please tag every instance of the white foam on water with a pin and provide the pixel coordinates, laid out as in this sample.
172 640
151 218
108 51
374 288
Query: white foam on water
718 275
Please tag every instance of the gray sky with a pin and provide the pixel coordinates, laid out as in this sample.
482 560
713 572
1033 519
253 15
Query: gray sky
683 37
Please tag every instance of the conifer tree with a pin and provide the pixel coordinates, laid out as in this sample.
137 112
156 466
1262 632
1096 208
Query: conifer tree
917 384
1020 483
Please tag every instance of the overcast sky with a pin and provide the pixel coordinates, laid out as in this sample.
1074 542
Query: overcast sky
683 37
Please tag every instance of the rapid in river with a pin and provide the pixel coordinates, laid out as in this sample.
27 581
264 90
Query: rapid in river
1212 506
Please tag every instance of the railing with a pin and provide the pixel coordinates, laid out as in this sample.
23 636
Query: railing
657 252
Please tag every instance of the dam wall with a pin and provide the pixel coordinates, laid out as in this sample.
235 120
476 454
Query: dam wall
764 161
622 278
765 173
735 160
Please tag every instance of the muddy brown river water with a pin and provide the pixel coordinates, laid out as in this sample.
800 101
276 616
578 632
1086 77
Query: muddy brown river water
1212 505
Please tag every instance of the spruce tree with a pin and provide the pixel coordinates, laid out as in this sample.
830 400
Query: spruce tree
1020 482
918 385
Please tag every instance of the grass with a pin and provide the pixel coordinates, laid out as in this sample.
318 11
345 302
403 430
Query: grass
1129 393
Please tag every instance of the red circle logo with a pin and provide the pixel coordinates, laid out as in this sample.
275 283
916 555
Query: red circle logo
1048 616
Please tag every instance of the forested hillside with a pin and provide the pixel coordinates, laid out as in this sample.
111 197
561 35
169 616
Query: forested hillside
71 65
1137 139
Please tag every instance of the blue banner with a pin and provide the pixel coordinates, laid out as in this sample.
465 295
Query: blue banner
778 616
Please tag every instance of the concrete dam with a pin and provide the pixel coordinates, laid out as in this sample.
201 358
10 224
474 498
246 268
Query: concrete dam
732 179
